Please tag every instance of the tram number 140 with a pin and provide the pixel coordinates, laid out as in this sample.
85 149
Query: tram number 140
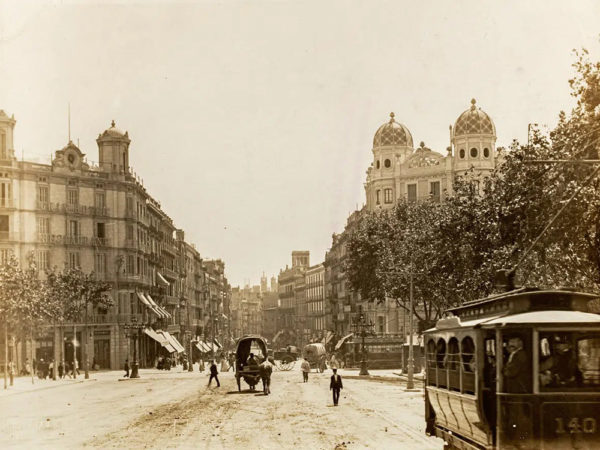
575 425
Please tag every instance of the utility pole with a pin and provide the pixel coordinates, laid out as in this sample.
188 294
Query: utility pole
411 360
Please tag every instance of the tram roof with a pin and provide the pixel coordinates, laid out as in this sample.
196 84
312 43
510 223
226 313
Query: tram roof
523 300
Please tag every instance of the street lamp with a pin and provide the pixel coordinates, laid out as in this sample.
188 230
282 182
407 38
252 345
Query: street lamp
132 330
362 328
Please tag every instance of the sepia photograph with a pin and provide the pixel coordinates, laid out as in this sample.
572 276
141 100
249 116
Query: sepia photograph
300 224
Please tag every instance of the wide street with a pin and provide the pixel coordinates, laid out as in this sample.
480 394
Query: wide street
176 410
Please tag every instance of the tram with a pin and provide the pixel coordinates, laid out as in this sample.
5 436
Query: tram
519 369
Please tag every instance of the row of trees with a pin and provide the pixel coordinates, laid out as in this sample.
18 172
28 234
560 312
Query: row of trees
31 304
453 250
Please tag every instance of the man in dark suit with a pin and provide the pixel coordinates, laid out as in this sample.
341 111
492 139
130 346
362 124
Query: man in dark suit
213 373
517 380
335 386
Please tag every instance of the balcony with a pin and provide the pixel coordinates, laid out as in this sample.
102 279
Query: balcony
170 273
75 240
115 318
99 211
47 206
100 242
170 300
75 209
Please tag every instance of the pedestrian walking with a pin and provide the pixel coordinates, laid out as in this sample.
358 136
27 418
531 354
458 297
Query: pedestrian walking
61 370
333 362
51 368
76 367
126 367
266 369
335 386
213 373
305 366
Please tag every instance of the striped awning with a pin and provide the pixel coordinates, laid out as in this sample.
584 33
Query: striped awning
156 336
163 312
173 342
161 279
342 340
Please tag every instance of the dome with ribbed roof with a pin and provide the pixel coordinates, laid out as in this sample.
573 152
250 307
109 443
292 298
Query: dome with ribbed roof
474 121
113 131
392 133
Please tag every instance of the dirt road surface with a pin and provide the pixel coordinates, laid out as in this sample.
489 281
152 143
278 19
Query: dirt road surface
177 410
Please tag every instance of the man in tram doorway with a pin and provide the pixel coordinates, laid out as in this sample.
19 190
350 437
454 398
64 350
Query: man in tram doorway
517 380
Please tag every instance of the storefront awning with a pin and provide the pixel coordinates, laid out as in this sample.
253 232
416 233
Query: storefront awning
161 279
163 312
174 342
156 336
342 340
217 343
328 337
277 336
143 299
168 347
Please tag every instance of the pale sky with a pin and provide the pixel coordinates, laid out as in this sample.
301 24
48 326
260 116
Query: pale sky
252 121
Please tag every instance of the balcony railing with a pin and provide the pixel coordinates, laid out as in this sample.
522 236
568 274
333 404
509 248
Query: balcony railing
115 318
170 300
48 206
100 242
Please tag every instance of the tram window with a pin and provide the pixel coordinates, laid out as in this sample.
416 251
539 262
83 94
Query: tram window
441 353
431 353
468 354
453 355
569 360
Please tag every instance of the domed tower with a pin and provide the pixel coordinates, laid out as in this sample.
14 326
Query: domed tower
113 148
7 126
392 144
474 139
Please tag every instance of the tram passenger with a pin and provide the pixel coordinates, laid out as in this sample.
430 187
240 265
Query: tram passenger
560 369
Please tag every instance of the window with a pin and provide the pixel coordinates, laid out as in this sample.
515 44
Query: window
100 264
73 229
73 260
377 164
130 265
381 324
434 187
42 194
569 361
5 194
440 354
43 225
461 153
377 195
411 190
467 353
43 262
72 197
474 152
486 152
5 254
387 163
129 205
100 230
3 152
100 200
388 196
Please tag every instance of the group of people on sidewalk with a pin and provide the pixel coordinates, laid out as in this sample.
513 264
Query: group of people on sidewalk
335 384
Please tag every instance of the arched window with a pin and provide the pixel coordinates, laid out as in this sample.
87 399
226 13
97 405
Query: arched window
461 153
440 353
453 354
486 152
387 163
467 350
474 152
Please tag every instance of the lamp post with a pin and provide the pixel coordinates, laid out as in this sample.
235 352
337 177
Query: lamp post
132 329
410 384
362 327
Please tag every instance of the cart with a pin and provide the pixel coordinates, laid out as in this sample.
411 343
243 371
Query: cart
243 369
316 355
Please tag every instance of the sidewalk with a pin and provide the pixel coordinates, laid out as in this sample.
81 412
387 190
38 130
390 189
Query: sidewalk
23 384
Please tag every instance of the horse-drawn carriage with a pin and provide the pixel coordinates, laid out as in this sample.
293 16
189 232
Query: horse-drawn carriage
246 367
285 358
316 355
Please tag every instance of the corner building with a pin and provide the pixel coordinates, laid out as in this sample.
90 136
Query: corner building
101 218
